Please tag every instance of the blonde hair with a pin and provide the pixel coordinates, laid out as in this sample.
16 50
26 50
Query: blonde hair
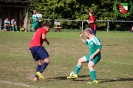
89 30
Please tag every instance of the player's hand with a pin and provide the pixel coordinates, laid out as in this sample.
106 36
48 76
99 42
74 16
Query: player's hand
48 43
88 21
80 34
91 57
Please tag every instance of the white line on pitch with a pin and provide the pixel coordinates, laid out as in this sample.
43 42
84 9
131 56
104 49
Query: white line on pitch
18 84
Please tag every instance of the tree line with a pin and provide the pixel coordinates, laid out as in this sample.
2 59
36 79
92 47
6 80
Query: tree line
78 10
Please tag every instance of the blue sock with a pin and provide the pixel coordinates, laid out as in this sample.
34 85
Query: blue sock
77 68
43 66
37 69
93 74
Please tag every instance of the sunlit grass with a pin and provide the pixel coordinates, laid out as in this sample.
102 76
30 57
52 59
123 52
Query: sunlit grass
113 71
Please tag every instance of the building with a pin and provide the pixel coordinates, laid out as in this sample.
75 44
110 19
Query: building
17 9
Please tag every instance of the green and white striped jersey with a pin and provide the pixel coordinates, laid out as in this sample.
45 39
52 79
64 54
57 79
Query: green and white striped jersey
93 44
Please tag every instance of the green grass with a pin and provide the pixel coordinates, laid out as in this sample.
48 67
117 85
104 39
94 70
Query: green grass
17 67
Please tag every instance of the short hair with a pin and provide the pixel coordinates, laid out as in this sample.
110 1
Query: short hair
91 11
45 25
89 30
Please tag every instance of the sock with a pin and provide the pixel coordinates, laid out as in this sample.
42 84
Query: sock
93 74
4 27
16 28
43 66
12 28
77 68
37 69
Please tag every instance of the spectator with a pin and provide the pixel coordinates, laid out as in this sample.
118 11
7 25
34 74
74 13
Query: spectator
40 18
34 21
92 21
6 25
14 25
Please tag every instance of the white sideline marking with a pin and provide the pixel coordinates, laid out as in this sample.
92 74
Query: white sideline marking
18 84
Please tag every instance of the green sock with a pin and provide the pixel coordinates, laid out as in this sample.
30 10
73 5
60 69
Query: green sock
93 74
77 68
12 28
16 28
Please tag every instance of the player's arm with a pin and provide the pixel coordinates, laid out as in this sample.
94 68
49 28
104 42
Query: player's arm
45 39
81 37
91 20
94 54
97 51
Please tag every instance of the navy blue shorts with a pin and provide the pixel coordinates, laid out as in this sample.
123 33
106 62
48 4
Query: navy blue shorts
39 52
93 31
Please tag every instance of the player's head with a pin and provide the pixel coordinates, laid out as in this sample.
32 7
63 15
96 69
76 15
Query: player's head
88 32
34 11
46 26
90 12
6 18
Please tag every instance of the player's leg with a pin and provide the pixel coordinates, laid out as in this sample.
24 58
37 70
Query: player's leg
12 27
36 58
43 54
93 31
16 28
5 27
36 25
33 27
38 68
77 68
91 65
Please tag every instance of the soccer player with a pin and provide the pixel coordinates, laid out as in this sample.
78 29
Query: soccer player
93 58
39 53
34 21
92 22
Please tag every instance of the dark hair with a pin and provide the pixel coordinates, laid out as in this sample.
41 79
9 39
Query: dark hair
45 24
88 30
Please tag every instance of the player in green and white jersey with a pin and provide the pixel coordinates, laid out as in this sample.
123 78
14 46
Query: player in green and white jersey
94 46
34 21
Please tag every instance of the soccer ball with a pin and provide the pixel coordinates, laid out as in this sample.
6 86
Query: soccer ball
71 73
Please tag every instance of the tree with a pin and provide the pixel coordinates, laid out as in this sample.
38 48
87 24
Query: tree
78 10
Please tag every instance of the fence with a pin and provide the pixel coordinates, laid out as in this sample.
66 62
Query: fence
82 22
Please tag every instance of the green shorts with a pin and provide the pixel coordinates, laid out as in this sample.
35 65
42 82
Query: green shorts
95 59
35 25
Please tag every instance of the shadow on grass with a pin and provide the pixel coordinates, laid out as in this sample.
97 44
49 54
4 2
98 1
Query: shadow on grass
65 78
114 80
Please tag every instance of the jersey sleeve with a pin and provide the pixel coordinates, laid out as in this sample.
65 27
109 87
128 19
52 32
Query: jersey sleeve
97 42
99 46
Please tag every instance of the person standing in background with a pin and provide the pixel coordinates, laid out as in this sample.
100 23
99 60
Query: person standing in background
34 21
92 21
40 18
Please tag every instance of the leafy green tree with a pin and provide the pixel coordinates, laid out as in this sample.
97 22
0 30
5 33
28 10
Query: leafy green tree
78 10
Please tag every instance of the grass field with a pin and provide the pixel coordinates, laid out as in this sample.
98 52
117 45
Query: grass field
17 67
